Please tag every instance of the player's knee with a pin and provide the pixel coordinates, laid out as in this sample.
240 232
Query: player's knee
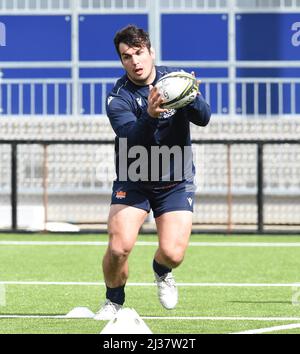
118 254
118 251
173 259
176 261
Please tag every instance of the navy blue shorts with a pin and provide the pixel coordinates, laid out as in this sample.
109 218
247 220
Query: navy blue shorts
160 198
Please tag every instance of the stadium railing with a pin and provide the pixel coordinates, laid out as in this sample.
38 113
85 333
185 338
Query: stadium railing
254 96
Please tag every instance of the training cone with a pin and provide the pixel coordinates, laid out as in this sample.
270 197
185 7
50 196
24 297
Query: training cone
80 312
126 321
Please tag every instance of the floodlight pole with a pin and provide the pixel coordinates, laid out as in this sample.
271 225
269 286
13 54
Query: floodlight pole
232 57
76 97
155 28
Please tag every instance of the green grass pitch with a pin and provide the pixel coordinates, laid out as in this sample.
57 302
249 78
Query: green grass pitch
227 284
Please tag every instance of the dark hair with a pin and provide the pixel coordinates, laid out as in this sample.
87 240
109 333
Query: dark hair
133 37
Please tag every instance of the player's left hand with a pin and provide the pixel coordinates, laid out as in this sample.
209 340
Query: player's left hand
198 82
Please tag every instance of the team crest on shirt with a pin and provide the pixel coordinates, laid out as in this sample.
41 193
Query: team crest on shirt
139 101
110 98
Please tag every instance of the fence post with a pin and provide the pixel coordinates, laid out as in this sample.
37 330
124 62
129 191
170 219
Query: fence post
260 187
14 187
229 191
45 185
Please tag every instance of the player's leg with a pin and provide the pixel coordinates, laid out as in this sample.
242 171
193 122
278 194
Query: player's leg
173 210
174 229
124 223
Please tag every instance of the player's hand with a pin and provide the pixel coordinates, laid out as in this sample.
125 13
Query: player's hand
198 82
155 100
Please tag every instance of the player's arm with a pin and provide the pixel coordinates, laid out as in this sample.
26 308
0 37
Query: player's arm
198 112
125 123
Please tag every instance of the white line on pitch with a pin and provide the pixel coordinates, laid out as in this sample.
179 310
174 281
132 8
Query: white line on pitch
150 243
279 285
33 316
270 329
226 318
182 318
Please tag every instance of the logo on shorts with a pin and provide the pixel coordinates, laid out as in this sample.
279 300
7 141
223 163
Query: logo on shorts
190 200
121 195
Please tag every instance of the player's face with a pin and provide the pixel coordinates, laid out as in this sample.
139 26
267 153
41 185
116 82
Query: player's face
138 63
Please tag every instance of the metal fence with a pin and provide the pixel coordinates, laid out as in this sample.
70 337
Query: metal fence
254 96
228 94
74 187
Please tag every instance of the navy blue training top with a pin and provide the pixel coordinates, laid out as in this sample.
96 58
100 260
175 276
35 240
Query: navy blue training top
141 139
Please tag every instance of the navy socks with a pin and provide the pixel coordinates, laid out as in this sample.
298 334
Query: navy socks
160 269
116 295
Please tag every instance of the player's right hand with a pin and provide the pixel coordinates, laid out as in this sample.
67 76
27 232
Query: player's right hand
155 100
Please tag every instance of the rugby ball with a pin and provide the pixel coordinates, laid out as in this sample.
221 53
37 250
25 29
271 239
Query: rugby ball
178 89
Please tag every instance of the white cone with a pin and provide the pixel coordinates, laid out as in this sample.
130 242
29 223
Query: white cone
80 312
126 321
61 227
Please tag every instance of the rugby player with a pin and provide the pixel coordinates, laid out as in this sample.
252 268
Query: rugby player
136 114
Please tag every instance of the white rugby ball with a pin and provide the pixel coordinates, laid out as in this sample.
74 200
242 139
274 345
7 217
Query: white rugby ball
178 89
